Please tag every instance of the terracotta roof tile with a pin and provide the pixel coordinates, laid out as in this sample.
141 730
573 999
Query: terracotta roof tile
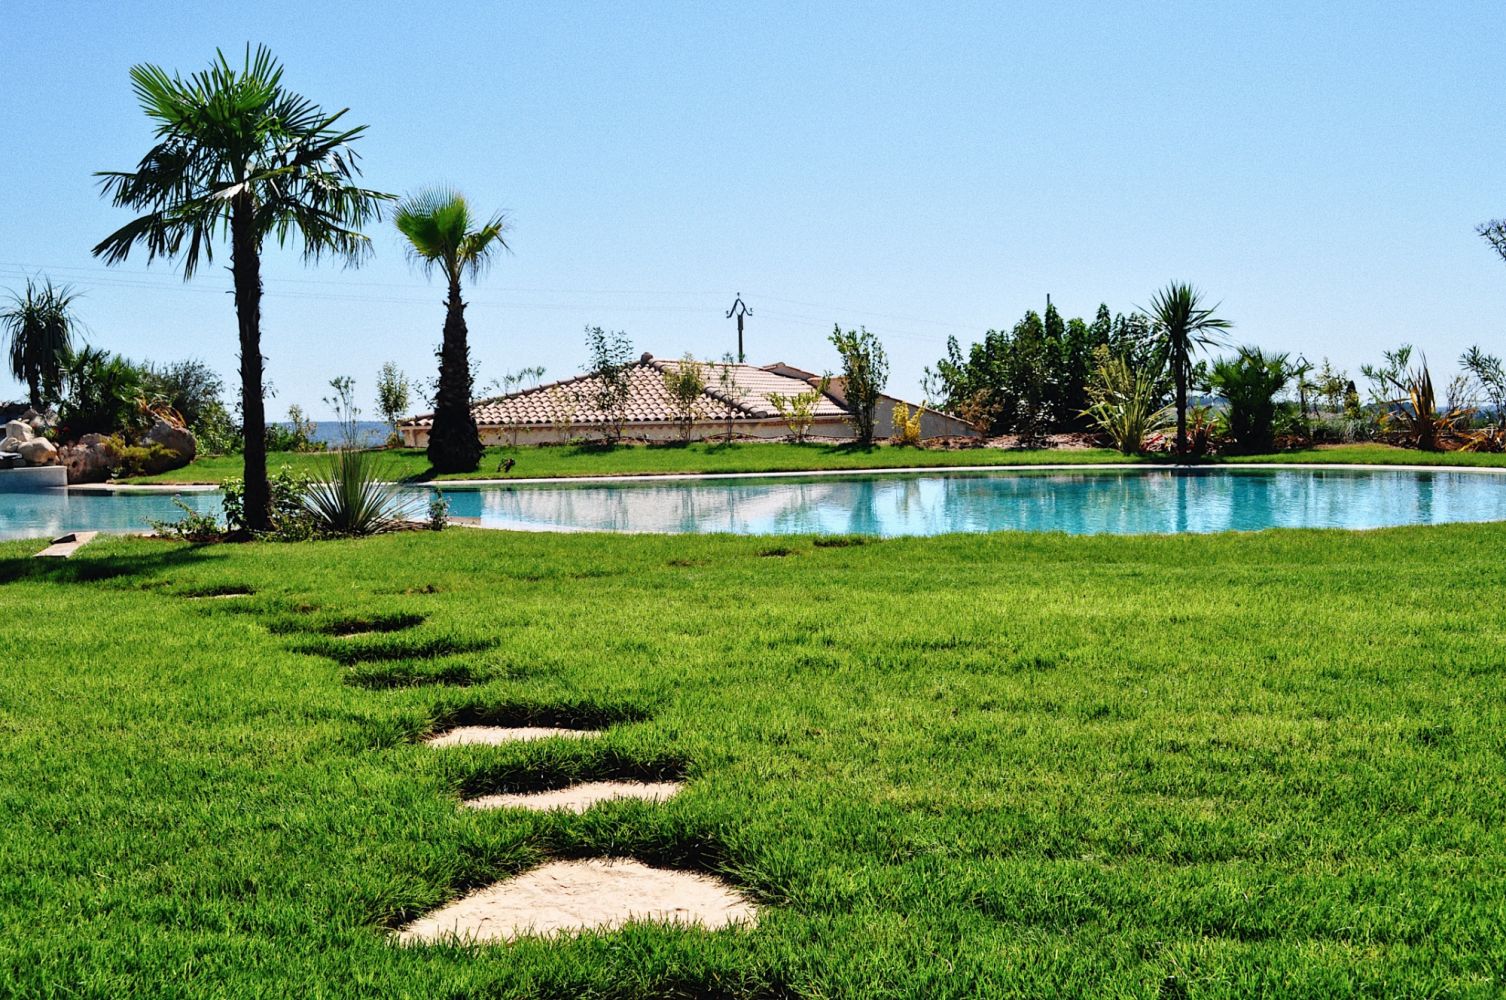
572 400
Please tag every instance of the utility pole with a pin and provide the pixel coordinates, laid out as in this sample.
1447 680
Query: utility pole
739 309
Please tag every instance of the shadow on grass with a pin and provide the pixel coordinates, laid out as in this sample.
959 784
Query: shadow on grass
83 568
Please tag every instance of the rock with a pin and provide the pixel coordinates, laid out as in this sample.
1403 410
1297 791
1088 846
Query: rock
18 429
90 459
178 440
13 444
36 421
39 451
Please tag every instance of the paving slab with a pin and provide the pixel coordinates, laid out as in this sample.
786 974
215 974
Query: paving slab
64 546
490 735
567 897
578 798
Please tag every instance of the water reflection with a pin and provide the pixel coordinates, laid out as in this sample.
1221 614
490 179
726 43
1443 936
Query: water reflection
1080 503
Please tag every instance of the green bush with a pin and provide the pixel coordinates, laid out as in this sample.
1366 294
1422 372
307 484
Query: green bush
287 488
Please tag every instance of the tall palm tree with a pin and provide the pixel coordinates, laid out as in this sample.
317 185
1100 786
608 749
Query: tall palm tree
1183 325
443 234
239 155
39 327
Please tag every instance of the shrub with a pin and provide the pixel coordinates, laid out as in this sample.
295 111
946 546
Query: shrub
1126 403
286 490
907 424
193 527
1250 381
142 460
298 435
102 395
392 398
439 512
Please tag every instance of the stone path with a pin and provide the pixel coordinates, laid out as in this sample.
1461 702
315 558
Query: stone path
566 897
578 798
492 735
64 546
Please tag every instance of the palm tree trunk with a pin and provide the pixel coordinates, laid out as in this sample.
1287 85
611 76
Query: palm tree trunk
454 441
245 269
1181 371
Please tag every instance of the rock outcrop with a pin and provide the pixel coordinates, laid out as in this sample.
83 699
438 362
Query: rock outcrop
178 440
90 459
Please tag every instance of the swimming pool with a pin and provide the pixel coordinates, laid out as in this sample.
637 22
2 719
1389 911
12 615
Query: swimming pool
1108 501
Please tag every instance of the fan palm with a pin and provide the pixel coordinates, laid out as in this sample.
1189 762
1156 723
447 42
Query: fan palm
444 235
1183 324
239 155
39 328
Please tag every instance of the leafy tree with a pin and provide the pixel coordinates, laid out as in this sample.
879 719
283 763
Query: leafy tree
729 391
1183 324
40 328
1331 384
444 234
393 389
240 155
865 372
611 369
798 411
1250 381
190 387
685 381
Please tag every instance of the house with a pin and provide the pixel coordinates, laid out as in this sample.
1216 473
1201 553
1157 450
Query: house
736 395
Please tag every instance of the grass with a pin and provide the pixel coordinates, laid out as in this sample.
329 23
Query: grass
584 460
1009 765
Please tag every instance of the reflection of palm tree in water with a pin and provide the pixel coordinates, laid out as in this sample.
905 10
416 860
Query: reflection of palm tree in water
863 518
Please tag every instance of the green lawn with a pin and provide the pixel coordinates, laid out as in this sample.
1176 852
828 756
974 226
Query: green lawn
1009 765
574 460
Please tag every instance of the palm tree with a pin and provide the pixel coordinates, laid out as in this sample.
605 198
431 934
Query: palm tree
39 327
442 233
238 154
1183 325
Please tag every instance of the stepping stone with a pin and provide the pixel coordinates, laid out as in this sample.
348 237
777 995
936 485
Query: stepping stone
64 546
578 798
470 735
567 897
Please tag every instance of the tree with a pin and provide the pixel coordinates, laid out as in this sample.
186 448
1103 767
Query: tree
729 392
685 381
611 371
1183 325
798 411
444 234
392 394
39 330
865 372
1490 375
239 154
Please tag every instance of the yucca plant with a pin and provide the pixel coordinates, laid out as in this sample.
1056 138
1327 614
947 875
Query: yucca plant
352 496
354 493
1126 406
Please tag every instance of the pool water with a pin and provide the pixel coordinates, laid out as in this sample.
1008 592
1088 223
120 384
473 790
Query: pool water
1081 502
50 513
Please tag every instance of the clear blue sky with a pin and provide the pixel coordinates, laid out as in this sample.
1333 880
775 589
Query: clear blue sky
1320 168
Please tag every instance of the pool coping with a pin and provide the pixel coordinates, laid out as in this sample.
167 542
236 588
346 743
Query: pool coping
937 470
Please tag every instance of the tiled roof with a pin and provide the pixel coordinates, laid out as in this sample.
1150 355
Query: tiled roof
573 401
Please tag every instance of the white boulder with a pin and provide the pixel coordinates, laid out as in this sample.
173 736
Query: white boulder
39 451
19 429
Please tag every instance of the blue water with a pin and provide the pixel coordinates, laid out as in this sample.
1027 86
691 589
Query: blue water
50 513
1080 503
1088 502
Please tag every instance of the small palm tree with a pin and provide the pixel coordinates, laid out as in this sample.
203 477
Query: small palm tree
1183 325
442 233
39 328
239 155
